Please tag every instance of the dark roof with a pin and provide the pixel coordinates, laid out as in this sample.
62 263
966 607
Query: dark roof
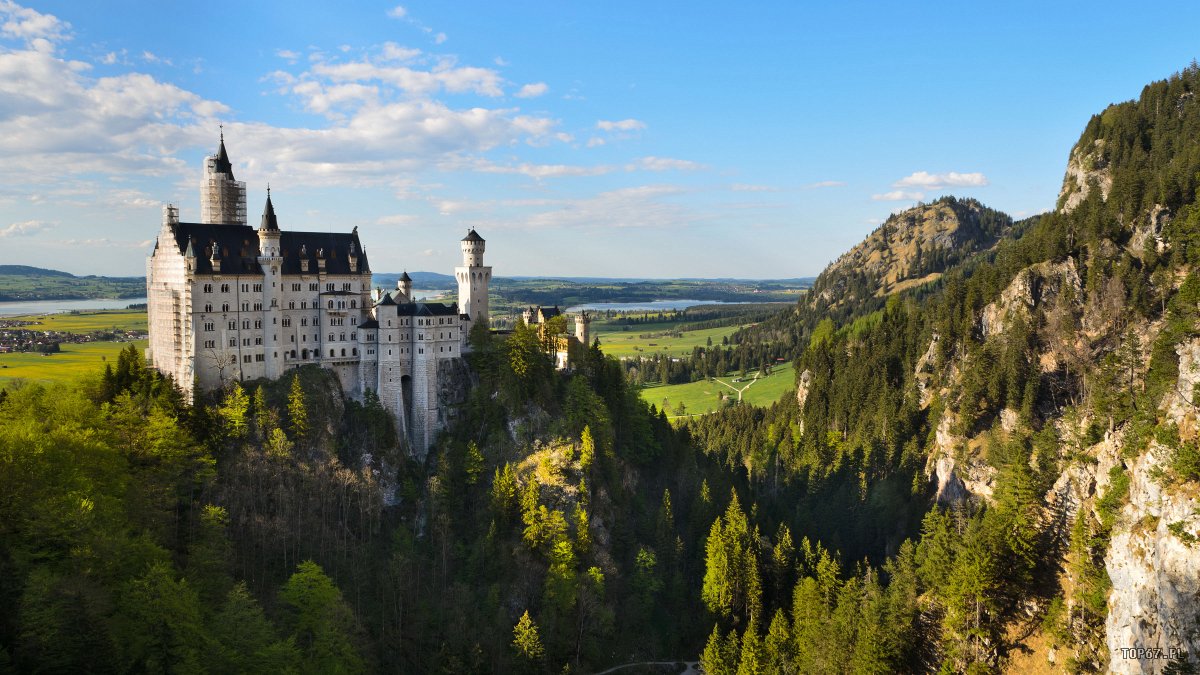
472 235
269 222
223 164
425 309
404 276
237 247
387 300
369 323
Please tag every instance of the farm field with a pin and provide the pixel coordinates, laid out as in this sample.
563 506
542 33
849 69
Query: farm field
617 342
72 361
702 396
86 322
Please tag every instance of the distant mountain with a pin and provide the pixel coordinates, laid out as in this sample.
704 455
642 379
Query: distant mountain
26 270
422 280
911 248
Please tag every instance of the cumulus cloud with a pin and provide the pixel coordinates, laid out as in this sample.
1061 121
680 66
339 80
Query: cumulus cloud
621 125
24 228
27 24
394 52
936 181
287 54
397 12
532 90
898 196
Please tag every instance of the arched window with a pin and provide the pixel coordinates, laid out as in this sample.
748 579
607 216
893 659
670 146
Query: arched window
353 304
354 351
330 353
330 304
343 351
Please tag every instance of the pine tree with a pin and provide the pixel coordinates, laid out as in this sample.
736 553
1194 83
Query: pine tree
527 641
233 411
297 410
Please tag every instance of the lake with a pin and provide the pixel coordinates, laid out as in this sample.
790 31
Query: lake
651 305
57 306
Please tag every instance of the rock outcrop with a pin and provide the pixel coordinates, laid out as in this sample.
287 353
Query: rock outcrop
1085 169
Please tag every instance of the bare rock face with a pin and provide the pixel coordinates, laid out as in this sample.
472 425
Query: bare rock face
1040 284
1180 405
1085 169
1155 573
958 479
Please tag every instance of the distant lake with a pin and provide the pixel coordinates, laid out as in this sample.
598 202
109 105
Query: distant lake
59 306
651 305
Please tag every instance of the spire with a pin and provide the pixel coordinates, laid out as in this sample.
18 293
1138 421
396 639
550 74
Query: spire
190 252
269 222
404 276
472 235
223 164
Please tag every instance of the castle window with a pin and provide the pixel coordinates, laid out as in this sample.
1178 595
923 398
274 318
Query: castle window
258 341
246 325
245 342
246 359
342 337
329 287
370 336
225 307
293 338
421 351
258 324
258 306
293 353
208 288
389 352
304 338
292 305
287 322
354 321
330 304
259 357
210 344
354 351
353 304
345 287
245 288
331 337
295 287
389 323
245 307
224 288
232 342
208 308
304 321
352 336
304 353
312 287
303 304
330 353
258 288
343 351
208 327
232 325
370 352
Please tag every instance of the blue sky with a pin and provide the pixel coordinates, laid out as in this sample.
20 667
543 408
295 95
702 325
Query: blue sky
665 139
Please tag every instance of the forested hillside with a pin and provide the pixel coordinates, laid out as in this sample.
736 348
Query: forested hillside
1043 392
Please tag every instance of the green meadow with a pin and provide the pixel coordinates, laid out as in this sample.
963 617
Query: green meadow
704 396
72 361
655 338
86 322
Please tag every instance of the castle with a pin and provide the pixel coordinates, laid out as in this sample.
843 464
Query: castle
228 302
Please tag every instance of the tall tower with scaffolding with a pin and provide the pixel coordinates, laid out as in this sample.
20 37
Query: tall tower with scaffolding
222 198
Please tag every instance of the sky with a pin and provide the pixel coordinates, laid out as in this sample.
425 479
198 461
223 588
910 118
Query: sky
619 139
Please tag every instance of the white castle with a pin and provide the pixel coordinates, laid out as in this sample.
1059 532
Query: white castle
228 302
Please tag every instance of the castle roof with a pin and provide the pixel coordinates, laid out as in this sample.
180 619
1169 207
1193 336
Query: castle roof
472 235
425 309
369 323
223 164
237 249
269 222
404 276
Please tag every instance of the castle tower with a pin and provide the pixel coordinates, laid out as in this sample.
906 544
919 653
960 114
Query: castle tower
404 287
222 198
473 280
270 258
582 321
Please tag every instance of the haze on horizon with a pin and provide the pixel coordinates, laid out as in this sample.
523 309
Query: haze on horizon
622 140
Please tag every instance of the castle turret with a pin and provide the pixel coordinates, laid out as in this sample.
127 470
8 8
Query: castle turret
270 259
473 278
582 333
222 198
404 286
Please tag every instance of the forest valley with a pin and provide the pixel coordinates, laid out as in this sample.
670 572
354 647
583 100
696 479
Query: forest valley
995 468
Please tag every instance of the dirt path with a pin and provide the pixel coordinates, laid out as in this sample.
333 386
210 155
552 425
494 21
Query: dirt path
693 667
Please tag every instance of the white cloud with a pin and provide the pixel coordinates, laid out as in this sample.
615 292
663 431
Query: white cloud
621 125
27 24
397 12
23 229
532 90
824 184
150 57
499 60
936 181
540 171
439 38
109 58
428 253
898 196
595 142
744 187
397 219
663 164
287 54
394 52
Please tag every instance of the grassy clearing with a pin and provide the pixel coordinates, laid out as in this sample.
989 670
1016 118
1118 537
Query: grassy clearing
75 359
703 396
617 342
86 322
